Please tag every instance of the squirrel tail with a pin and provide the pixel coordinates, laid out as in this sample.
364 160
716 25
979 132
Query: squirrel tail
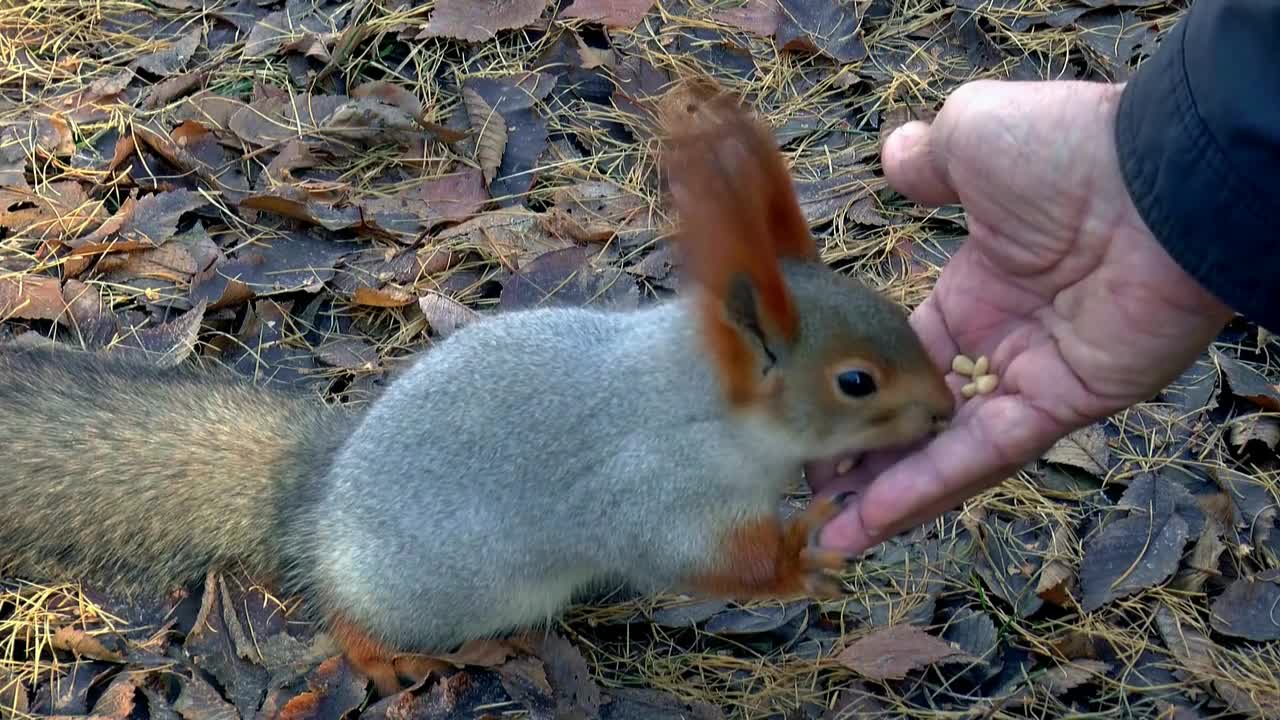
136 477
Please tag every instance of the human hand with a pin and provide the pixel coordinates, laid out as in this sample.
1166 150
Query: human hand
1060 284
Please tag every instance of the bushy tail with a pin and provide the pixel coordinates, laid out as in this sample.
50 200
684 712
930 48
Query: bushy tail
121 473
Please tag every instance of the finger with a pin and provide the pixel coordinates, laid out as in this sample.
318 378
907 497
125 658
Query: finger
914 167
1001 436
927 322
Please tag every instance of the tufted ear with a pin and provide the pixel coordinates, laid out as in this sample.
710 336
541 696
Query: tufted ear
738 217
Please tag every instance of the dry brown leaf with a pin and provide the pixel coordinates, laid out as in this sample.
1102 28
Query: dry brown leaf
891 652
166 345
1085 448
32 297
610 13
512 238
117 701
14 701
833 29
760 17
387 296
93 103
1247 609
165 91
1255 428
477 20
1200 662
59 210
1205 555
155 219
444 313
295 202
391 94
1132 554
1064 678
491 133
591 211
78 642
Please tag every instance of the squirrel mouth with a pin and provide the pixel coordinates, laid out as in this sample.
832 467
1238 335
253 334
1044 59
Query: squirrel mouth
862 465
820 473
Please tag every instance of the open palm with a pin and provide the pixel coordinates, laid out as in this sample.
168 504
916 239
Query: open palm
1059 283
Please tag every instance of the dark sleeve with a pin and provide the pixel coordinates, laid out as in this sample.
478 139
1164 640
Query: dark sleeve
1198 134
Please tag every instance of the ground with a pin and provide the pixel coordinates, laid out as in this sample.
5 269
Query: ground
310 193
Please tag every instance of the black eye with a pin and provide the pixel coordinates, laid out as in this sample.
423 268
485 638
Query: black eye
856 383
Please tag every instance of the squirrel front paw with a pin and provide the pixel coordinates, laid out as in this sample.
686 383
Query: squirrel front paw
775 558
816 568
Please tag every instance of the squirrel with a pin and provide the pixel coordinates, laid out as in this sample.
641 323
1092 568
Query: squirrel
526 457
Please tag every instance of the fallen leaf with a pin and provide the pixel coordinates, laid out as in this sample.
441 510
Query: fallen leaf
513 97
82 644
1193 390
1248 609
333 691
1085 448
445 314
51 212
155 218
1133 553
308 28
92 103
1205 557
573 687
591 211
1067 677
477 20
296 203
1115 39
647 704
285 263
513 239
349 353
118 700
1246 382
167 90
197 700
755 620
1200 662
1011 561
760 17
687 614
31 297
1057 576
1264 429
14 700
491 133
831 28
386 296
173 58
610 13
891 652
973 632
567 277
1251 502
166 345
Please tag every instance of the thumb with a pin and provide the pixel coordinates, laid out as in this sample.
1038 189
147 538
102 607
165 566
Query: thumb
914 168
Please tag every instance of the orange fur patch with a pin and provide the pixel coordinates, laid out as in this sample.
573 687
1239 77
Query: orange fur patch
368 656
738 215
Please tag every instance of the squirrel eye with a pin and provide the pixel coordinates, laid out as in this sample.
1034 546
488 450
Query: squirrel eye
856 383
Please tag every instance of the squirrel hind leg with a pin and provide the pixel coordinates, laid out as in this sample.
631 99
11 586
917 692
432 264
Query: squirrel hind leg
369 657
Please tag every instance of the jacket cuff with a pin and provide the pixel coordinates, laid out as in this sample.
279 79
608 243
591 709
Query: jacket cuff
1185 187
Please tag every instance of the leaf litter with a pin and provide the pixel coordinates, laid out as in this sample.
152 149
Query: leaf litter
305 191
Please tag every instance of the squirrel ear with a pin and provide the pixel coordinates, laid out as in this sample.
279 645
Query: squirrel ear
738 217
